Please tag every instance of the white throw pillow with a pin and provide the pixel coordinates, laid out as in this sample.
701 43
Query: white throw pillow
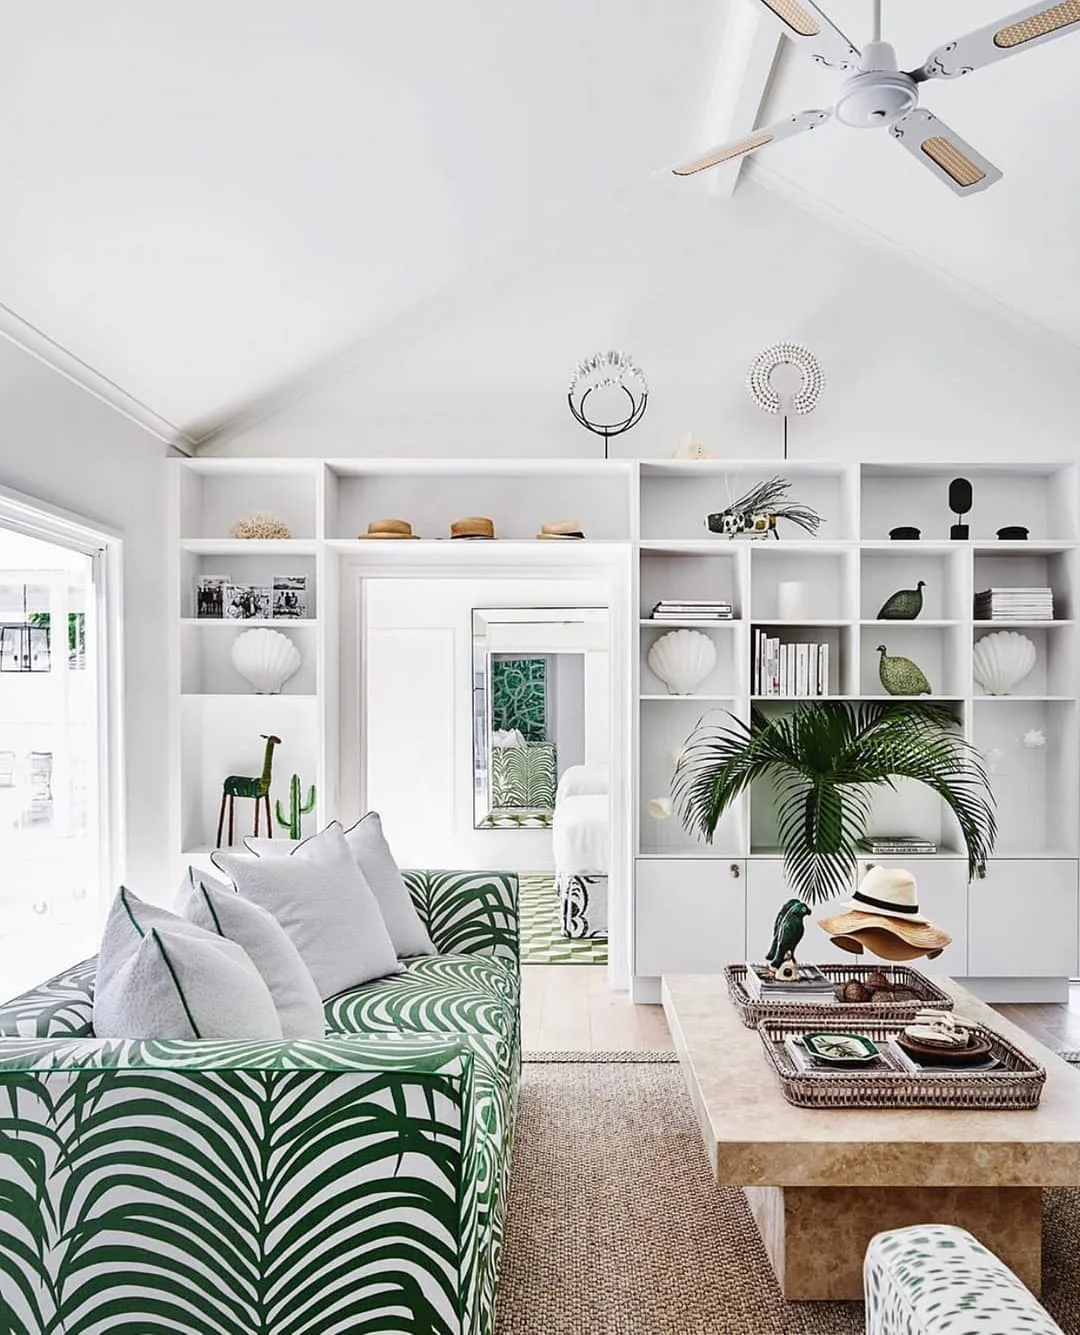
320 897
215 907
161 977
374 858
582 781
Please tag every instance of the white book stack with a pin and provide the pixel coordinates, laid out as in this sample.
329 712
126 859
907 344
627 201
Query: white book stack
782 670
688 609
1014 604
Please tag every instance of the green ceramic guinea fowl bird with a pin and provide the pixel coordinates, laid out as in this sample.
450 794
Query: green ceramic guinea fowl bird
900 676
787 930
904 605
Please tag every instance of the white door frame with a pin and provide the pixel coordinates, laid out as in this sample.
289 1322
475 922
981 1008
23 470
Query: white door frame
104 545
613 568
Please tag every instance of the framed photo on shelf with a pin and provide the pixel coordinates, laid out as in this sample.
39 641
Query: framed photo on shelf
290 597
243 602
210 596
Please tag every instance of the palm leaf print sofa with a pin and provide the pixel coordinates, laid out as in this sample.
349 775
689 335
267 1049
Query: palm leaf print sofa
354 1183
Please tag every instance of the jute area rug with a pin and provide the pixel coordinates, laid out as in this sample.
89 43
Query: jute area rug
616 1227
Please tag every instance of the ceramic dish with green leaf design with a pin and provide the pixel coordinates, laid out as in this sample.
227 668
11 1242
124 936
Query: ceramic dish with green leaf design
840 1049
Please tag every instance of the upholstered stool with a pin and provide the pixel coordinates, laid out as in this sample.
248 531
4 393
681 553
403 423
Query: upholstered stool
936 1278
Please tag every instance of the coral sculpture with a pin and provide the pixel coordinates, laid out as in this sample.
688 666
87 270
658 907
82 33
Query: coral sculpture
297 809
259 525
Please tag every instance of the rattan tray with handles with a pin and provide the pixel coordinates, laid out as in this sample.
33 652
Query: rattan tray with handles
1016 1083
752 1010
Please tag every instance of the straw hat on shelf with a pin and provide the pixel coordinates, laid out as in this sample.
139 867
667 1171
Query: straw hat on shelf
473 526
561 529
389 528
883 917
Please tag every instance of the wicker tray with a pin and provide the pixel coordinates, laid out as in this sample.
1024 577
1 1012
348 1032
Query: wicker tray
1016 1083
752 1011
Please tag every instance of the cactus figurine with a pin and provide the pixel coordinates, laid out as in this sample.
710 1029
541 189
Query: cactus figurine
297 809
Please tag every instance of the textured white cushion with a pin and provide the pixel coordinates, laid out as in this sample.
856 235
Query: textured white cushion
375 860
320 896
216 907
161 977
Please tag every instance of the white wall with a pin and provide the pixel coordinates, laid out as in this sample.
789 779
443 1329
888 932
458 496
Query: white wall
418 655
694 287
61 445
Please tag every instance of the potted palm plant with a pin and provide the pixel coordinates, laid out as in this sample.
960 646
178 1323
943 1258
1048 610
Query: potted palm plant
824 760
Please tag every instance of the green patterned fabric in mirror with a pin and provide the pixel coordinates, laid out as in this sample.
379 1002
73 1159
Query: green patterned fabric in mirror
519 696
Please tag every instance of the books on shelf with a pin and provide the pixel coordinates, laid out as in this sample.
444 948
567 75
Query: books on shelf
689 609
898 845
811 985
780 669
1015 604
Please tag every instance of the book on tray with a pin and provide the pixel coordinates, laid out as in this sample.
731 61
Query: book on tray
811 985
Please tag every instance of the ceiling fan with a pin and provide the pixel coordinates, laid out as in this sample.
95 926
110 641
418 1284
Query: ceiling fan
877 94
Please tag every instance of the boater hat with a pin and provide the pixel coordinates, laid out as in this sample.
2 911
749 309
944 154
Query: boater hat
389 528
561 528
883 916
474 526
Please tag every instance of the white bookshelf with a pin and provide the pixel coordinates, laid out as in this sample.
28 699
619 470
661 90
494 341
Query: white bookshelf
650 516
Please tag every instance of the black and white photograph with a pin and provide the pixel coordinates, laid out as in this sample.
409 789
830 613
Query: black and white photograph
243 602
210 596
290 597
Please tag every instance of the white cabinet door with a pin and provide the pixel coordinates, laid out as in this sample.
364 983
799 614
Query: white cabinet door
1023 920
943 899
766 890
689 915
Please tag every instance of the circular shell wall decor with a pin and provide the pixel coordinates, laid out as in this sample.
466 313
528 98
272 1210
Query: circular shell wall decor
767 396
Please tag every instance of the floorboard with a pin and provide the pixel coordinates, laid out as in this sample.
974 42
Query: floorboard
570 1007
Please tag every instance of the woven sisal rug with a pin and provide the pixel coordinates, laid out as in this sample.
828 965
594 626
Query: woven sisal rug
616 1228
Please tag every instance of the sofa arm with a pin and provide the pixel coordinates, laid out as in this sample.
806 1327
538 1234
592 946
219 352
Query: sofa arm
937 1278
213 1186
468 912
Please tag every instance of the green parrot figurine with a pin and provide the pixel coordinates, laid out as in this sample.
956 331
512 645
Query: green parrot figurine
787 930
904 605
900 676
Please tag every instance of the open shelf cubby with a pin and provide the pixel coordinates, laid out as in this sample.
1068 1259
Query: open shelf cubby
942 652
213 498
722 681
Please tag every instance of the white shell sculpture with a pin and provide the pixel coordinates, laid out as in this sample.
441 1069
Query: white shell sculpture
682 659
265 658
1001 660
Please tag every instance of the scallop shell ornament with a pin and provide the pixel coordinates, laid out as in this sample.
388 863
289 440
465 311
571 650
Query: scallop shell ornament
1002 660
682 659
265 658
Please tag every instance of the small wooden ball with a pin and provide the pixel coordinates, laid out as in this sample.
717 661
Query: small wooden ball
884 994
876 981
855 991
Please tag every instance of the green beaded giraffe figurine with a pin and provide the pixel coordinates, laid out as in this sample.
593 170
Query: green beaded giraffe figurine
257 787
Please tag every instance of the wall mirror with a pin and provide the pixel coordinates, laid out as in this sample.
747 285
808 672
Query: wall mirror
540 706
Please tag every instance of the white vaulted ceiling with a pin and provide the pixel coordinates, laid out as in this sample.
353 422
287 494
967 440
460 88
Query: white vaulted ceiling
203 201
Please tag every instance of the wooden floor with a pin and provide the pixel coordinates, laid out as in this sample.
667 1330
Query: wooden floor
568 1007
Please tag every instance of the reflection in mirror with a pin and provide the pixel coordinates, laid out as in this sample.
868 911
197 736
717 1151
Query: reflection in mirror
540 707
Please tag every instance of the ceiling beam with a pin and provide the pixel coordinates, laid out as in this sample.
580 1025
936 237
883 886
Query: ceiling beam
748 50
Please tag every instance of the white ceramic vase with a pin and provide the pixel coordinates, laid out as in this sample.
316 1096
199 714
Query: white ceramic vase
1002 660
682 659
265 658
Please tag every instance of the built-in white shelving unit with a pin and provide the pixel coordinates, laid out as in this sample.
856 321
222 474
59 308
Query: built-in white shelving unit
689 906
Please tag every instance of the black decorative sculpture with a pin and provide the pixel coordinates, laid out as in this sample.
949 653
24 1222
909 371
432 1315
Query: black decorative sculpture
608 370
959 504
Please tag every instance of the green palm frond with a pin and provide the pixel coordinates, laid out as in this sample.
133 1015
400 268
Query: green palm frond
824 760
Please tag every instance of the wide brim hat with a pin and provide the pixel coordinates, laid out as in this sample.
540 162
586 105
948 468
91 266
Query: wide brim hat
888 892
389 528
561 529
889 944
883 916
473 526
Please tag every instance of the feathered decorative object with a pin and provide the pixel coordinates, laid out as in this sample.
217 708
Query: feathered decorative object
757 511
260 525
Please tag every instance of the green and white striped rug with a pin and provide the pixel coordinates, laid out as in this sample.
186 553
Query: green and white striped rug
542 941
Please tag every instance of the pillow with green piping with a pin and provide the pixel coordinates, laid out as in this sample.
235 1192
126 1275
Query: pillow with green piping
161 977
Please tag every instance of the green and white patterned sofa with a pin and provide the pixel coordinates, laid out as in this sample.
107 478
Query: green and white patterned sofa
936 1279
354 1183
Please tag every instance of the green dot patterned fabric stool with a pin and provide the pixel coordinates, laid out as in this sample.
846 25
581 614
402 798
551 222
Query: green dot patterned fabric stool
935 1278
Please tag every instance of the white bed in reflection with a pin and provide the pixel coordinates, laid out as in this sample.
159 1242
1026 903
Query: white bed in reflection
581 838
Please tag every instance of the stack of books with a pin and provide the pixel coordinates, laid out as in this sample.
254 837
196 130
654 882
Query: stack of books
789 669
812 985
898 845
1017 604
689 609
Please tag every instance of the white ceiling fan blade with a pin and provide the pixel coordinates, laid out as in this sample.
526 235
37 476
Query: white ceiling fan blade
1007 37
949 157
768 134
813 33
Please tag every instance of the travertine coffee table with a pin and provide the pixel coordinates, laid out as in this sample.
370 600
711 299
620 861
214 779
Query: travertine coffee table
821 1183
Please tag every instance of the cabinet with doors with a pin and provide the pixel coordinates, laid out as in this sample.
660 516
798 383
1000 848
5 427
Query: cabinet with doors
674 893
1024 919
